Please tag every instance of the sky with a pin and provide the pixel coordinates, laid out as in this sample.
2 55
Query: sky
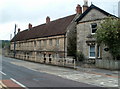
23 12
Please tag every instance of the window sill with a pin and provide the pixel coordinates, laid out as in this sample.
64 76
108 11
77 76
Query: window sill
99 58
93 33
91 57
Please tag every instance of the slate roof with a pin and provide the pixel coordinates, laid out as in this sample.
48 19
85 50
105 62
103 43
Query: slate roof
93 7
53 28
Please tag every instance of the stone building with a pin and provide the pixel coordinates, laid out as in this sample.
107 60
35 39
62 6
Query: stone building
46 42
86 27
49 42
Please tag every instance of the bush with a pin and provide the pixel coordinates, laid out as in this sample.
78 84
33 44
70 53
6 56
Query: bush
108 33
80 56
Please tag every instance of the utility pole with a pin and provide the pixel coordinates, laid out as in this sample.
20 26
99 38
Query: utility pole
15 40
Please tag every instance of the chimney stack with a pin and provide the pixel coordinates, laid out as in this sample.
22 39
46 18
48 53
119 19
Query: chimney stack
85 6
78 9
29 26
47 19
18 30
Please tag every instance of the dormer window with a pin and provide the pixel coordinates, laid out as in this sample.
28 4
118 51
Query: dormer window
93 28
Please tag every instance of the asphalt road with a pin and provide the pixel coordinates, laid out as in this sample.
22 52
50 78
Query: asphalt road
33 79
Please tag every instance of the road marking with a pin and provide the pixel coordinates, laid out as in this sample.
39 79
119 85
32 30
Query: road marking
2 73
17 82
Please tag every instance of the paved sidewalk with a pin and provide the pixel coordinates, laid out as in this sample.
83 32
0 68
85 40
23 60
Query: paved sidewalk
105 72
89 76
93 76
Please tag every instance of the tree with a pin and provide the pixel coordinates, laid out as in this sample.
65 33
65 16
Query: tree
71 47
109 33
5 43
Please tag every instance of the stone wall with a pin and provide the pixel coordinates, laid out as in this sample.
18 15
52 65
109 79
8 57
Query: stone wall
37 57
40 44
108 64
49 45
83 31
93 15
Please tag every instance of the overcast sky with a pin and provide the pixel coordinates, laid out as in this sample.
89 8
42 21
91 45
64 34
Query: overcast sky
23 12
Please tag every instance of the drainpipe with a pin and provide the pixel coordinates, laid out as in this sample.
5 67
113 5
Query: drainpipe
15 40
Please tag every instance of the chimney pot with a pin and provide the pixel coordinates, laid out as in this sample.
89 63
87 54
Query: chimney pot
47 19
29 26
85 6
18 30
79 9
85 2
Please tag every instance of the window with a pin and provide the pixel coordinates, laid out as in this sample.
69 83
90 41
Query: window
92 51
39 54
39 43
93 28
57 55
35 43
45 42
50 42
57 42
19 44
29 44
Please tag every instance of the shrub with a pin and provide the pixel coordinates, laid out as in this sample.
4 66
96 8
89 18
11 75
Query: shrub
80 56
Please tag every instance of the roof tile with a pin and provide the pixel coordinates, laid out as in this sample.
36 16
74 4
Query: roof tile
56 27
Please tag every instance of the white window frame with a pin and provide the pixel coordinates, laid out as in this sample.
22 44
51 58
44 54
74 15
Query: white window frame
89 52
98 55
91 28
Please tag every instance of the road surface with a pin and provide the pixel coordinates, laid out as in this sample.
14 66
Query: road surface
29 78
